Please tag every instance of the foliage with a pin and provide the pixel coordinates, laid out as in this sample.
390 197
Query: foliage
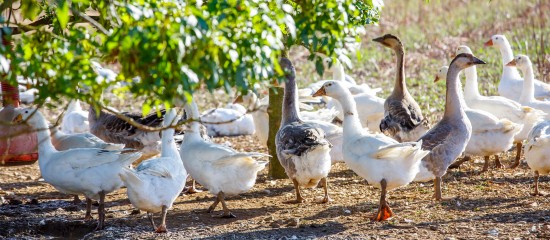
172 47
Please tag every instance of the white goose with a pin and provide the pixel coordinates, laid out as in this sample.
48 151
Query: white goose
500 107
302 148
258 110
511 83
229 121
222 170
381 160
490 135
527 94
92 172
75 119
369 107
156 183
537 152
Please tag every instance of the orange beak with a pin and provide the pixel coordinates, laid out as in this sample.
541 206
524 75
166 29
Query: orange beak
320 92
511 63
18 118
436 78
489 43
239 99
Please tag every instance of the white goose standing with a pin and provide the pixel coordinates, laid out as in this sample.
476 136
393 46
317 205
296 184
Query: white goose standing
92 172
537 152
381 160
449 137
511 85
302 148
222 170
156 183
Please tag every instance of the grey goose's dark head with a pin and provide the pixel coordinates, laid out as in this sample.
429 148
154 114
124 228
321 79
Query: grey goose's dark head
390 41
287 67
465 60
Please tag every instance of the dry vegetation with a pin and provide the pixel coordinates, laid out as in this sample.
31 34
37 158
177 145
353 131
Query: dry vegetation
496 204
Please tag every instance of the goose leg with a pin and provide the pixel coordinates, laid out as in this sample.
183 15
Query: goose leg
213 206
88 210
226 212
437 188
324 183
192 189
76 200
498 164
459 162
518 155
384 210
150 216
486 165
299 198
537 192
162 227
101 212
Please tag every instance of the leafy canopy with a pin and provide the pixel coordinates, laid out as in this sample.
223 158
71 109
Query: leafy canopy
168 48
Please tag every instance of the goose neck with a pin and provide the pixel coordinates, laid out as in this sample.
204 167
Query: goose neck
290 102
45 146
351 124
507 56
400 86
169 148
454 102
528 92
338 72
471 90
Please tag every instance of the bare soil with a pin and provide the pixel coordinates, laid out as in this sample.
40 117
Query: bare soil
492 205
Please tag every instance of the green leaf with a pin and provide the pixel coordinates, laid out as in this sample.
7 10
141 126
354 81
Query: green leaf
62 13
30 9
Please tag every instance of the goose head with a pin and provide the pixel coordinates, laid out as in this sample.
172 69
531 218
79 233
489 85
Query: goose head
465 60
287 67
249 100
496 40
463 49
31 116
441 73
332 89
520 61
389 41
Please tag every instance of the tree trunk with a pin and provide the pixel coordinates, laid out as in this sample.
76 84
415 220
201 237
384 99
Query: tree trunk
276 94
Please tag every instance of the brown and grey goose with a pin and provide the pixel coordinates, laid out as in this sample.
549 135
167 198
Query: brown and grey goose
403 119
449 137
302 148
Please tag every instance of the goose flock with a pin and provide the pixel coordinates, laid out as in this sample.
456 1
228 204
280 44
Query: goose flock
388 142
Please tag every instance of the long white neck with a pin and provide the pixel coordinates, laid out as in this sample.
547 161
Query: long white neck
528 92
45 146
169 148
351 125
338 72
507 56
454 102
193 134
74 105
471 90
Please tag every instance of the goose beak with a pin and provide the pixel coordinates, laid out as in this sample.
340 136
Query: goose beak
489 43
239 99
320 92
478 61
511 63
436 78
378 39
18 118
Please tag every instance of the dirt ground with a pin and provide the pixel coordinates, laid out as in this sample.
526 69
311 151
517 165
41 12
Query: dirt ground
492 205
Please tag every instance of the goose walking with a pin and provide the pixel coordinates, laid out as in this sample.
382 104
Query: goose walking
511 83
381 160
403 119
92 172
302 148
449 137
156 183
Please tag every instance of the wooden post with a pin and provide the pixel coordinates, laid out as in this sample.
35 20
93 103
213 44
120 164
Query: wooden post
274 110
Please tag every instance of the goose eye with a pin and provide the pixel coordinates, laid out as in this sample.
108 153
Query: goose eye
26 111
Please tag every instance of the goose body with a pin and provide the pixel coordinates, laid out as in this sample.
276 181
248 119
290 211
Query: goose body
511 83
381 160
109 128
403 119
369 107
302 148
62 141
92 172
449 137
75 119
156 183
537 152
222 170
230 121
